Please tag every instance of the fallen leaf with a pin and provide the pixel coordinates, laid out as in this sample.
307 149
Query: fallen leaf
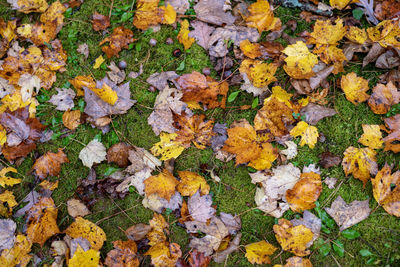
29 6
147 14
300 61
213 12
340 4
197 259
50 164
202 33
261 74
291 151
183 35
385 187
18 254
221 256
310 221
119 154
164 254
7 231
360 162
90 257
305 192
328 159
330 182
93 152
356 34
298 262
76 208
180 6
392 140
162 184
83 49
42 221
292 238
64 99
120 38
347 215
30 86
9 198
47 185
387 9
200 208
383 98
97 63
72 119
309 134
100 22
137 232
123 254
169 16
259 252
385 33
372 136
86 229
190 183
251 50
355 88
314 113
115 74
262 17
167 148
160 80
6 180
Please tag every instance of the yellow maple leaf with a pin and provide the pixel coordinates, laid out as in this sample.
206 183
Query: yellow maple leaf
293 238
297 262
331 54
360 162
42 223
28 6
300 61
123 254
325 33
372 136
169 14
340 4
259 252
81 258
162 184
86 229
183 35
282 95
5 180
47 185
14 102
158 222
167 148
164 254
3 136
262 17
261 74
251 50
191 182
384 193
18 254
356 34
147 14
8 197
309 134
106 93
383 98
386 33
268 154
305 192
354 88
98 62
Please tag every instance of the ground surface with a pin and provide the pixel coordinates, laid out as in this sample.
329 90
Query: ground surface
380 233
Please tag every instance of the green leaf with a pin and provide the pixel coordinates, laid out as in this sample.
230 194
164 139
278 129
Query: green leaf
181 66
138 47
338 247
81 104
97 137
357 13
350 234
233 96
365 252
126 16
255 103
252 170
371 261
110 170
168 211
325 249
131 189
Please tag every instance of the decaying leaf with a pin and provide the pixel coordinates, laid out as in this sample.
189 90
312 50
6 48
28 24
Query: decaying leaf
347 215
259 252
120 38
18 254
6 180
340 4
360 162
86 229
100 22
123 254
200 208
262 17
214 12
383 97
202 33
355 88
50 164
28 6
183 35
64 99
77 208
309 134
167 148
190 183
294 239
7 231
386 191
162 184
305 192
328 159
392 140
94 152
147 14
298 262
83 49
90 257
300 61
119 154
314 113
372 136
72 119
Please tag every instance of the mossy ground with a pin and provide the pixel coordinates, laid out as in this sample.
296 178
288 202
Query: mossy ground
380 233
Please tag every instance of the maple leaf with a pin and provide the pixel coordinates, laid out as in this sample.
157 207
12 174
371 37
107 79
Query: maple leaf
18 254
100 22
356 34
86 229
97 63
9 198
298 262
305 192
50 164
72 119
386 190
147 14
251 50
183 35
169 16
164 254
259 252
194 130
202 33
123 254
293 238
331 54
300 61
347 215
191 182
64 99
385 33
325 33
5 180
168 147
340 4
29 6
309 134
119 154
163 184
120 38
42 221
355 88
76 208
392 140
383 98
88 258
372 136
248 146
360 162
261 74
94 152
200 207
214 12
262 17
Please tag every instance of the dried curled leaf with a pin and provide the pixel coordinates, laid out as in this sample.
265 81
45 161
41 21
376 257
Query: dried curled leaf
355 88
50 164
86 229
100 22
5 180
392 140
305 192
259 252
360 162
120 38
123 254
309 134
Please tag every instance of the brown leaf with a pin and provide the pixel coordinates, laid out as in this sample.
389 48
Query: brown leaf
50 164
163 184
347 215
202 33
387 9
221 256
213 12
100 22
123 254
120 38
119 154
392 140
200 208
328 159
194 130
197 259
72 119
138 231
305 192
314 113
383 97
76 208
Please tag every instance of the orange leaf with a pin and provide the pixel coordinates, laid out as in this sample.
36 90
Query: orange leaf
50 164
72 119
162 184
120 38
305 192
360 162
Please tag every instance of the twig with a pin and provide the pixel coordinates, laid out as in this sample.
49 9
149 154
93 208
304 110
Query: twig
112 215
112 4
338 264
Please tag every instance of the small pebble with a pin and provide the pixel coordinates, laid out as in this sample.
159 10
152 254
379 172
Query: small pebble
122 64
177 52
169 41
153 42
206 71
